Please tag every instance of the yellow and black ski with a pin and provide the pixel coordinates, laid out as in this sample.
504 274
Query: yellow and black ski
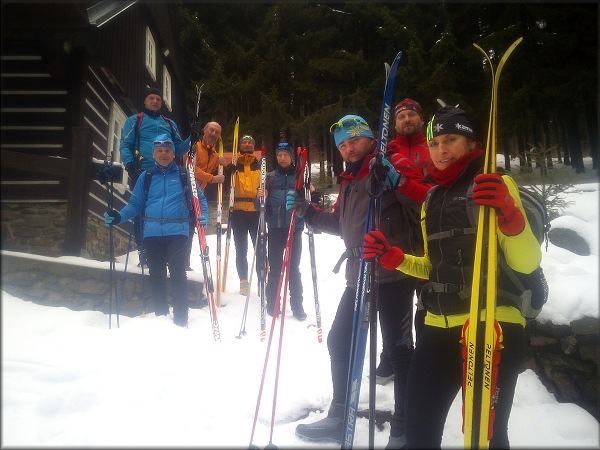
231 201
482 335
219 222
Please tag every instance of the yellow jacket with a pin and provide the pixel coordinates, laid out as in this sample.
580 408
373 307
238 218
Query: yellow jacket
247 182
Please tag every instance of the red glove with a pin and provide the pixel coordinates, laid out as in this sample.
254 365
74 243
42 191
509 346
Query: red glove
375 244
491 190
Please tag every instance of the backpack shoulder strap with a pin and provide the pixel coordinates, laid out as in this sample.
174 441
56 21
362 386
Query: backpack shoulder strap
170 125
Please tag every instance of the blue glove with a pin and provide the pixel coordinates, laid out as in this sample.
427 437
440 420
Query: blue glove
387 170
203 220
290 200
112 218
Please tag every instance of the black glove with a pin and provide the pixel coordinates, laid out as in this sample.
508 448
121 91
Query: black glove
134 170
229 168
196 131
106 173
112 218
295 200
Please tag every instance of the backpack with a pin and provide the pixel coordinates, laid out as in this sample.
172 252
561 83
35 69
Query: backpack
533 286
186 192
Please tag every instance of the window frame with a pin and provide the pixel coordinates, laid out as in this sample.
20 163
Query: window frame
150 54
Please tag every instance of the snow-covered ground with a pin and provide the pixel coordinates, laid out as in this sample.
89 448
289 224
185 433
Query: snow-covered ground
70 381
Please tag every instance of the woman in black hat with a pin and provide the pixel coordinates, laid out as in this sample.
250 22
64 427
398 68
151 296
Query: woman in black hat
436 371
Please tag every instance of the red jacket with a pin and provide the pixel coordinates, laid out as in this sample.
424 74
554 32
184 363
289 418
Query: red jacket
410 156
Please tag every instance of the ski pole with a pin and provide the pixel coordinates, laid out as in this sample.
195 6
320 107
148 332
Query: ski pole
244 316
313 259
106 175
120 300
283 281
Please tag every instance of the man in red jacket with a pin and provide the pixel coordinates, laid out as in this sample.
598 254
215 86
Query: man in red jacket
410 140
409 154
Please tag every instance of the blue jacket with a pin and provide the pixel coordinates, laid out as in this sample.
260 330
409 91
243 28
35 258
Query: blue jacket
277 184
153 124
166 200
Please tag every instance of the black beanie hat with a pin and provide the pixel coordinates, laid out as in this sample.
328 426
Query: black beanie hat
285 147
450 120
152 90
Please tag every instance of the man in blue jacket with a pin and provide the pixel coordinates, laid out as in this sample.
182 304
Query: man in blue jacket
278 183
137 139
165 216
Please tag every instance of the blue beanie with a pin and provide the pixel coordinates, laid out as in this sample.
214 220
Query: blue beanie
350 126
163 140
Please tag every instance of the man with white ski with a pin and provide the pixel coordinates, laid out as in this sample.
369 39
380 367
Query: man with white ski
245 215
399 222
207 161
436 372
165 213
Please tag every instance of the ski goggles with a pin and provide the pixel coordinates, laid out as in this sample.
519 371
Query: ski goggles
347 122
247 137
167 144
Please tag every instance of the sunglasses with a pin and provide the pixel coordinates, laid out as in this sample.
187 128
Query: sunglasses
247 137
352 121
168 144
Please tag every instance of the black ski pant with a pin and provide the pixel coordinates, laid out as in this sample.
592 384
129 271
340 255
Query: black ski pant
171 251
242 224
395 313
276 241
435 378
395 305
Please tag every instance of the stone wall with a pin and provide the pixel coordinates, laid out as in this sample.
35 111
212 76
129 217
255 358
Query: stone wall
53 282
39 228
565 357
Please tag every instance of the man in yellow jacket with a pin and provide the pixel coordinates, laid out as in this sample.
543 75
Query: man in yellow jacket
245 215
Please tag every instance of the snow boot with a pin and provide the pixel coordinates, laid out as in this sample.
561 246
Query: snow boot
329 429
244 287
299 314
396 442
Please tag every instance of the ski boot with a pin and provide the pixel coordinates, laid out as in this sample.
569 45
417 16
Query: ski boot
329 429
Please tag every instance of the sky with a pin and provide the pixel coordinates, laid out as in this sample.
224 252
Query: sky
70 381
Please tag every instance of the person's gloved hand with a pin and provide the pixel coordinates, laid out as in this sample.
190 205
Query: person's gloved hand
295 200
112 218
491 190
203 220
196 131
134 169
387 172
375 244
